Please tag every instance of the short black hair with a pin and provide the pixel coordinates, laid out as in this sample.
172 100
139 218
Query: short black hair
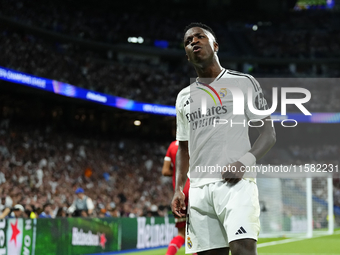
201 25
47 204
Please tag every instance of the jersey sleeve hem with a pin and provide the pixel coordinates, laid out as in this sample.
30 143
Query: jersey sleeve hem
182 139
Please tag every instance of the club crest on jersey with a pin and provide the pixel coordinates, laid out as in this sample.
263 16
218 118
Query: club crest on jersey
189 242
223 92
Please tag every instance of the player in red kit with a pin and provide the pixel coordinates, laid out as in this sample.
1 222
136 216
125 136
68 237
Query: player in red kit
169 169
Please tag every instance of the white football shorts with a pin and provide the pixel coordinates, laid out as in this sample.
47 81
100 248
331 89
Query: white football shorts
220 213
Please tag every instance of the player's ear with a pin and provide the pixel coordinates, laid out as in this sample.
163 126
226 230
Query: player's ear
216 47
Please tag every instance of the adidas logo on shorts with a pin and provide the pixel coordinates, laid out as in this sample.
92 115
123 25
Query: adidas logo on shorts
240 231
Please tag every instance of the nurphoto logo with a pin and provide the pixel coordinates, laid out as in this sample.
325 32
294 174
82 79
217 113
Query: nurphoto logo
239 100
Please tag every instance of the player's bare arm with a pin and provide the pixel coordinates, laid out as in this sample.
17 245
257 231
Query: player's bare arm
182 166
266 139
264 142
166 170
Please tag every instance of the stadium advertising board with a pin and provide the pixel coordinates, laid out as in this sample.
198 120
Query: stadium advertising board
145 232
152 234
68 236
2 237
75 236
17 236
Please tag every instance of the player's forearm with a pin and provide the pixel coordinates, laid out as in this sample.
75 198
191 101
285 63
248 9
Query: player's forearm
262 145
182 165
264 142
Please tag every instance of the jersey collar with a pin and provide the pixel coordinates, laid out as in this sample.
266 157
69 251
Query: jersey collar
217 78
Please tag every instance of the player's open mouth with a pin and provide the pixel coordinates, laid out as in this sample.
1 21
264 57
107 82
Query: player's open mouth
196 48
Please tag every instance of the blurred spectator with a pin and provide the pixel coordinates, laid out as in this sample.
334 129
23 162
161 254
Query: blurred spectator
82 205
5 206
5 202
62 212
29 210
17 212
47 211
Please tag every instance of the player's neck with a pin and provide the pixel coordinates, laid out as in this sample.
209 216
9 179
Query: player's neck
210 71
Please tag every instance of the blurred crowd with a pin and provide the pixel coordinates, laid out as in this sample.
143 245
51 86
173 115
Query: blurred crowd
323 153
296 44
304 35
45 172
141 80
300 35
302 153
308 34
133 79
52 174
109 25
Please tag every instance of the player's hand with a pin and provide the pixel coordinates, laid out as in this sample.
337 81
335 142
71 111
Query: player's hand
233 173
178 204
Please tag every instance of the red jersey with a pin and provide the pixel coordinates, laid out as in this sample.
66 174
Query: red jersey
171 156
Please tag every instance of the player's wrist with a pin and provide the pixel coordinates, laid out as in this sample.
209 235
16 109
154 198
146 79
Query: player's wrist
179 189
248 159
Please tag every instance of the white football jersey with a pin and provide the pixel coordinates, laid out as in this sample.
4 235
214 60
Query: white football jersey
205 118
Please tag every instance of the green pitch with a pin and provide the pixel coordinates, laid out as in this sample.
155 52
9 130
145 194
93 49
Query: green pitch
323 245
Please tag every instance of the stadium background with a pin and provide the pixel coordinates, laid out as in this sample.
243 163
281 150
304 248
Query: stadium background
134 50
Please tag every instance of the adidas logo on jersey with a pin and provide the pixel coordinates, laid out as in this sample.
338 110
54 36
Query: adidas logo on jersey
188 101
240 231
